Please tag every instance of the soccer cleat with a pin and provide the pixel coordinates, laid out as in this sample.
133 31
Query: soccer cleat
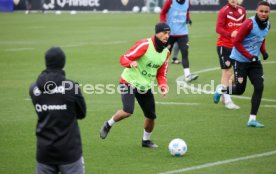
254 123
217 94
104 130
191 77
216 97
149 144
175 61
231 105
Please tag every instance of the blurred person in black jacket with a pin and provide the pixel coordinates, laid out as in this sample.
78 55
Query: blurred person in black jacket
58 103
30 3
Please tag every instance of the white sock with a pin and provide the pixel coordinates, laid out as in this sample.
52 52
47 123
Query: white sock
146 135
219 88
111 121
252 117
187 72
227 98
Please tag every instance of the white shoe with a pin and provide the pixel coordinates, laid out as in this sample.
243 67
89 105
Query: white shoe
191 77
231 105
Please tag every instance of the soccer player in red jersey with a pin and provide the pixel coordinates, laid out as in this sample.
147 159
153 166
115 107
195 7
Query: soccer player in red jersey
229 20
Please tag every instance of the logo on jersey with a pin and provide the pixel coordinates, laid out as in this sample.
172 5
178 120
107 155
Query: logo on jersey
49 5
240 80
36 91
240 11
41 108
227 63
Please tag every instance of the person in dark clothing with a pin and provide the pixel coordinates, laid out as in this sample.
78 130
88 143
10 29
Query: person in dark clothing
29 5
58 103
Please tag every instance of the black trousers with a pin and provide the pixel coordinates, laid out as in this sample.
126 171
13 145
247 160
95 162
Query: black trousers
254 71
183 47
144 98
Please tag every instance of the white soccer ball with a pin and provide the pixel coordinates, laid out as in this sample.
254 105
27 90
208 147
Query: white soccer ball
144 9
135 9
177 147
157 9
58 12
73 12
105 11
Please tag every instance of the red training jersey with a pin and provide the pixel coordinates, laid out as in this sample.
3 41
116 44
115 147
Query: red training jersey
137 51
229 20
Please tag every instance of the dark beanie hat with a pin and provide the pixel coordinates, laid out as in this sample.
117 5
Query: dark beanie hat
55 58
180 1
161 27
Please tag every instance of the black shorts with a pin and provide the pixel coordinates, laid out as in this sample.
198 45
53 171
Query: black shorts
253 70
224 57
183 42
144 98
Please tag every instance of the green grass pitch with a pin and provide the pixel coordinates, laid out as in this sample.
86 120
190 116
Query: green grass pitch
93 44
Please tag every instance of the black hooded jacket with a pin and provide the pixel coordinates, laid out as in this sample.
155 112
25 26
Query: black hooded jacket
58 103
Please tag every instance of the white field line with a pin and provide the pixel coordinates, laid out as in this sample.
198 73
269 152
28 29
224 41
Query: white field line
18 49
72 45
180 81
268 106
218 163
177 103
217 68
94 43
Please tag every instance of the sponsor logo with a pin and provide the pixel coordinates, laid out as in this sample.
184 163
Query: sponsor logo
234 24
36 91
56 90
240 80
227 63
43 108
51 4
51 87
240 11
204 2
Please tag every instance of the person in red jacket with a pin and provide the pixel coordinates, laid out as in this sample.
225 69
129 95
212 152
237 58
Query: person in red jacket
146 61
229 20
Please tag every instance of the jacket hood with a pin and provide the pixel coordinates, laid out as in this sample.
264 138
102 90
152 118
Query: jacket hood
49 79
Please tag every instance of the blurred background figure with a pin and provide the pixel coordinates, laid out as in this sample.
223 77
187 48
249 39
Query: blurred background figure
29 4
176 13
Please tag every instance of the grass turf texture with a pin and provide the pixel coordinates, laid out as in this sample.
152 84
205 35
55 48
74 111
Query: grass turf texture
93 44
